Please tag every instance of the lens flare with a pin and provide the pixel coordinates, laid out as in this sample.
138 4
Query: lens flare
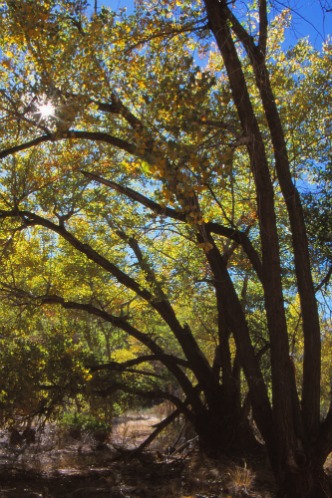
46 110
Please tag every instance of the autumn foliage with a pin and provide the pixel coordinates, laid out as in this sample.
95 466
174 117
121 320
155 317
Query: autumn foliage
157 192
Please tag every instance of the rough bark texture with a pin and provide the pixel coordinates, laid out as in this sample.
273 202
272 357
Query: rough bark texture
310 319
301 444
307 482
282 378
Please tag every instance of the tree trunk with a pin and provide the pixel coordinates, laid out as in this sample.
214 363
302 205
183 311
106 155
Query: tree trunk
283 380
224 432
309 308
307 481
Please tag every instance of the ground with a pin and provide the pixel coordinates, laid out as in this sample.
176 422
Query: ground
59 466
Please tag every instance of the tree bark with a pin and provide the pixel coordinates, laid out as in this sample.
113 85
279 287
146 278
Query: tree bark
283 378
306 481
297 452
309 309
223 429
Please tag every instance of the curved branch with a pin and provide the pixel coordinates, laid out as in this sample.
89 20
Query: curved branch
32 219
155 394
123 324
197 25
136 196
211 227
74 134
119 322
27 145
168 360
183 334
117 107
106 138
113 365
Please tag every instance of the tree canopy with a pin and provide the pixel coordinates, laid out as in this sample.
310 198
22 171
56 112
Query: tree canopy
165 192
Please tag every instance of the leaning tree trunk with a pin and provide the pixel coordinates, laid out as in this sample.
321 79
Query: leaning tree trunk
297 465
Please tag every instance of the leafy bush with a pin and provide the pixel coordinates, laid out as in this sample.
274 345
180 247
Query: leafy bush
77 424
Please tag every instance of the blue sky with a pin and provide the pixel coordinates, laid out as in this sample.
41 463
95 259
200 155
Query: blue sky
309 18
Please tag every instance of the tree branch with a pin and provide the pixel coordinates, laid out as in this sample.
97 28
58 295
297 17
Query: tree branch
148 270
27 145
32 219
310 317
117 107
136 196
159 428
325 280
155 394
170 33
80 135
113 365
211 227
263 24
183 334
168 360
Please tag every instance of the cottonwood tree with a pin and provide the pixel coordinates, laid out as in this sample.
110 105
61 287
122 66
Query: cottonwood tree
171 190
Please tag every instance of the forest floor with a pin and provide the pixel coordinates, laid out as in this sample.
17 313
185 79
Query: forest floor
59 466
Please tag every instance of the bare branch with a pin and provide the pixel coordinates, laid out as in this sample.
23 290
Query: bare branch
159 428
325 280
263 24
198 25
212 227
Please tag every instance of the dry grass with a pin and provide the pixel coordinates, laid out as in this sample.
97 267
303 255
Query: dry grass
241 480
201 476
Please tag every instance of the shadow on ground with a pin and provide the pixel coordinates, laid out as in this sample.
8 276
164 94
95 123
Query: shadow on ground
58 466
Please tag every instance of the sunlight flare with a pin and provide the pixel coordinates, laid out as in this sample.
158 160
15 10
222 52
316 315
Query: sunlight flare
46 110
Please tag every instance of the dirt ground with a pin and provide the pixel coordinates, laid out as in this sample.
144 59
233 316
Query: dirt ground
59 466
141 477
